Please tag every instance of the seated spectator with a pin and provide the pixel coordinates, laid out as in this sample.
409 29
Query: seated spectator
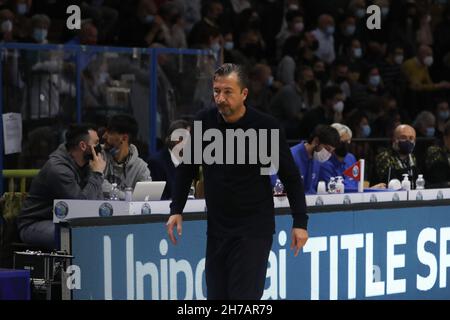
437 174
417 73
324 34
123 165
399 158
260 85
340 77
391 73
340 160
345 34
40 24
6 25
425 126
328 112
73 171
104 16
442 114
292 100
211 12
287 65
311 154
163 164
230 53
295 27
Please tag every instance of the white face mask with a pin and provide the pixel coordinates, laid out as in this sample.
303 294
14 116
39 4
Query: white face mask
229 45
293 7
7 26
428 61
322 155
357 52
338 106
398 59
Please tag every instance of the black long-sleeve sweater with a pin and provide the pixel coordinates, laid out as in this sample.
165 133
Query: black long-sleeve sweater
238 198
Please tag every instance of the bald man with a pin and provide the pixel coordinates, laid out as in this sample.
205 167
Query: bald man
417 72
399 159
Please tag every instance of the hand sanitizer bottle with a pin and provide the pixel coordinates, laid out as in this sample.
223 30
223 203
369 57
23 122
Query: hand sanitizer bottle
340 185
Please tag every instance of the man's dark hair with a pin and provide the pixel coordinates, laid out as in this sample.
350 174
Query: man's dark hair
123 124
292 14
228 68
329 93
326 134
175 125
77 133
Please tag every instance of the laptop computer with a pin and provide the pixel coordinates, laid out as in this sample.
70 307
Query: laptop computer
148 190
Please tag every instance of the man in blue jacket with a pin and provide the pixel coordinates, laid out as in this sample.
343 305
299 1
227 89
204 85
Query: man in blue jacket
309 155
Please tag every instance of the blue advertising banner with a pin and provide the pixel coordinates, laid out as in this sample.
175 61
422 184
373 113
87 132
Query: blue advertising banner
372 254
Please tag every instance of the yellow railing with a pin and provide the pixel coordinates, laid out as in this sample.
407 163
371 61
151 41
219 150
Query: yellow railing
21 174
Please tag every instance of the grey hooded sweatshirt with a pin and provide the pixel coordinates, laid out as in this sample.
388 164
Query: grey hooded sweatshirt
125 174
59 178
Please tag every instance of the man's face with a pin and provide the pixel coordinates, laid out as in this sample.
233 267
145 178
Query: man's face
85 146
113 140
228 95
405 133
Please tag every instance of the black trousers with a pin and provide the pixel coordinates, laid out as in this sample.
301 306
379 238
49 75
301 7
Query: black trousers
235 268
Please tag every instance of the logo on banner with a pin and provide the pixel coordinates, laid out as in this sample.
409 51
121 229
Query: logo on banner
373 198
347 200
395 197
319 201
146 209
105 210
61 210
419 196
440 195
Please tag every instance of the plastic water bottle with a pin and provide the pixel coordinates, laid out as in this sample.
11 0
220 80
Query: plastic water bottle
420 182
278 189
332 185
114 194
406 184
340 188
191 193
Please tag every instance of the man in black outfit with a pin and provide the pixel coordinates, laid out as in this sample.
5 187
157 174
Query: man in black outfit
239 199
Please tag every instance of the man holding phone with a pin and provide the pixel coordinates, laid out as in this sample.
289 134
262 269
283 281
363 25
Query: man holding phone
73 171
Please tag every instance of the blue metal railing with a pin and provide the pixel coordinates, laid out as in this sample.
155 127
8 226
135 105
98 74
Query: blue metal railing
78 51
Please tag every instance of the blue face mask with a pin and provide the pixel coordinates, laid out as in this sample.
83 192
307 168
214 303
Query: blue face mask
443 115
215 47
375 81
40 35
229 45
357 52
366 130
329 30
149 18
430 132
270 81
22 8
350 30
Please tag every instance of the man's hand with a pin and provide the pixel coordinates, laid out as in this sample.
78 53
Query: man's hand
299 238
174 220
97 164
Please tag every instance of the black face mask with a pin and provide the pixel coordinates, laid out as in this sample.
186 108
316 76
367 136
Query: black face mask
342 149
320 75
90 156
340 80
314 46
311 86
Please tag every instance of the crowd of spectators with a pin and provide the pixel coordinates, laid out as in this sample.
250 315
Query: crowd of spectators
310 62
